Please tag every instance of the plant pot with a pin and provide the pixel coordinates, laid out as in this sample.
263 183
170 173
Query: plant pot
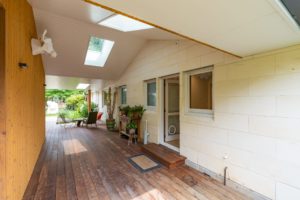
132 131
135 116
110 124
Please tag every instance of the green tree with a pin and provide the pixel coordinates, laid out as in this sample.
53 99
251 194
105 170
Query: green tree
75 101
60 95
96 44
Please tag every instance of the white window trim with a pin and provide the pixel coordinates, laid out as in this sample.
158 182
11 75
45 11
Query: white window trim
120 94
150 108
99 58
198 112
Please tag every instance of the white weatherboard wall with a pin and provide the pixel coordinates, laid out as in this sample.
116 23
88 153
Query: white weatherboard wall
256 121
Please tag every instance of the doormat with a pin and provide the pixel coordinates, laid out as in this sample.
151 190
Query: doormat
189 180
143 163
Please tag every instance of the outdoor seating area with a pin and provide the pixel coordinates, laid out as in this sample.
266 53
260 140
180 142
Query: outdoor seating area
72 108
92 119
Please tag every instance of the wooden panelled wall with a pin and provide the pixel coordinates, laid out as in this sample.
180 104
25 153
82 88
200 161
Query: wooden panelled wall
24 101
2 104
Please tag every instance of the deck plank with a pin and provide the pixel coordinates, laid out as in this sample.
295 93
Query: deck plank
92 164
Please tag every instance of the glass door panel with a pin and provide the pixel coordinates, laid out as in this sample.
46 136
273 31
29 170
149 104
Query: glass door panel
172 127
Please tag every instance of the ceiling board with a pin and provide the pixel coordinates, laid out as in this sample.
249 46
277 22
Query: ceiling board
71 23
70 83
71 39
215 22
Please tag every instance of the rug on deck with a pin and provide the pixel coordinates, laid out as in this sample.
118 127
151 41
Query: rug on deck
143 163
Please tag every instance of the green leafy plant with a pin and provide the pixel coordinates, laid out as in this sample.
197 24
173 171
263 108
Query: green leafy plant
75 101
139 110
124 110
133 112
68 114
63 113
131 125
83 109
60 95
74 115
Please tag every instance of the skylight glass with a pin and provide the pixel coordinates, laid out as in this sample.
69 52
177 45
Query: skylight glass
98 51
123 23
82 86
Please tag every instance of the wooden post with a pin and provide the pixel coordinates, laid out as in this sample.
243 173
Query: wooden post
89 101
2 107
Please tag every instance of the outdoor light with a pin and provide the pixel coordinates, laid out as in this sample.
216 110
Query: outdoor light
23 65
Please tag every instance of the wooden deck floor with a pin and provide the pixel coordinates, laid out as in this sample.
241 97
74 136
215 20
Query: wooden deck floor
88 164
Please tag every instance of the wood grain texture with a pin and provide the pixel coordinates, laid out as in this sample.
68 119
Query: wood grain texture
89 100
2 104
91 163
166 156
24 99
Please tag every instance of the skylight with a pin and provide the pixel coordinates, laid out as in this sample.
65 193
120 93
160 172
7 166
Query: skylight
98 51
82 86
293 7
123 23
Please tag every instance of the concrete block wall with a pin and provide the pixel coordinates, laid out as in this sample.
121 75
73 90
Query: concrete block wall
255 129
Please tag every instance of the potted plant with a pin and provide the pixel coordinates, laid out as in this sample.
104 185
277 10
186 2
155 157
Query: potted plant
124 110
136 112
110 104
139 111
132 127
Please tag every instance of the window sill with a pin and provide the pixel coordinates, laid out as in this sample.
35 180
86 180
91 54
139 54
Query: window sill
151 109
207 116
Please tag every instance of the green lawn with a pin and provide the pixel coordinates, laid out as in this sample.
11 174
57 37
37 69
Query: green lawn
51 115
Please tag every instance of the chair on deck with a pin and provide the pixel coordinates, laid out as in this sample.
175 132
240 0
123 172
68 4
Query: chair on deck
92 119
64 122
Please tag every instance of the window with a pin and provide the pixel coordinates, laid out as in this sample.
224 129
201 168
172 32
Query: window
123 23
98 51
151 94
200 91
123 95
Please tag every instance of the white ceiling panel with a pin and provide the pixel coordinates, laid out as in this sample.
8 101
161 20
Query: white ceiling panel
243 28
70 83
75 9
71 38
71 23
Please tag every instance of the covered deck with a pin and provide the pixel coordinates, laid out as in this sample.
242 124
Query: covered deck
91 163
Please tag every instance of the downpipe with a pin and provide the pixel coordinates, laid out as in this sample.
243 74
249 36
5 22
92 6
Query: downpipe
225 175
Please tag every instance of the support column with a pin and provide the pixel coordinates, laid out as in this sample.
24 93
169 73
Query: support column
89 100
2 107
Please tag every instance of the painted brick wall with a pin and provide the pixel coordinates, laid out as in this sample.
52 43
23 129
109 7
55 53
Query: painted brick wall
256 121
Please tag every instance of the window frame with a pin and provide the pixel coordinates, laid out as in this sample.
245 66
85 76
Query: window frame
120 92
99 56
150 108
201 112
